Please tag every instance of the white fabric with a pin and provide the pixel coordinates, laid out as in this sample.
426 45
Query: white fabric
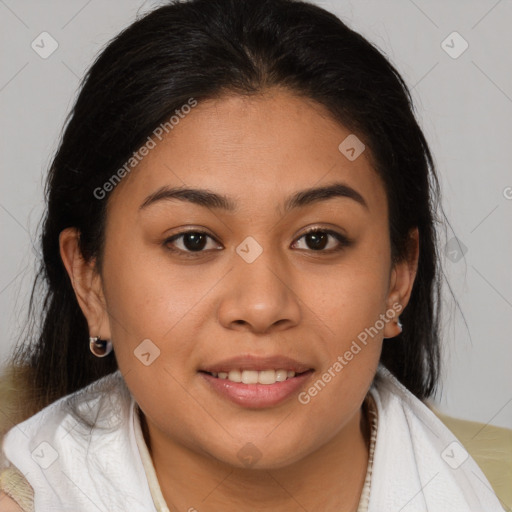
419 466
97 469
416 467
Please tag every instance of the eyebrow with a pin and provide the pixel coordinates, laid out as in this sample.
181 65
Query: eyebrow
209 199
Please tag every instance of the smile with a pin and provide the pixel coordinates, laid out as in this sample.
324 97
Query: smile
255 377
256 389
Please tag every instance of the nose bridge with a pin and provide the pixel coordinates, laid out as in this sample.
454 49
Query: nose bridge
259 294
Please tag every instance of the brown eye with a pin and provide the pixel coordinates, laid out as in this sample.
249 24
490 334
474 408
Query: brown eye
194 241
324 240
317 240
188 242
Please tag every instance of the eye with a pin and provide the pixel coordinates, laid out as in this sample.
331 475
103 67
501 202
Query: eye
324 240
319 240
189 242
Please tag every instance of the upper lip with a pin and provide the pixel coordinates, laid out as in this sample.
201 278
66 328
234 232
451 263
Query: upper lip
257 363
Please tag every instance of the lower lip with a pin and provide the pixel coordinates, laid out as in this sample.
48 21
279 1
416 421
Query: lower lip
257 396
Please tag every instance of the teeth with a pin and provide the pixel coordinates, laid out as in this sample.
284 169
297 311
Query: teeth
281 375
255 377
234 375
249 377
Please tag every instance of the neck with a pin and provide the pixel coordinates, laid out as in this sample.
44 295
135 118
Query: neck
189 480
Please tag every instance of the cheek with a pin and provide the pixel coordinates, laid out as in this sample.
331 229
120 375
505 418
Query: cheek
353 295
351 345
147 294
351 301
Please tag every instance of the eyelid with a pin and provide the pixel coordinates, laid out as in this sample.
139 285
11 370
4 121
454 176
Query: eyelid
314 229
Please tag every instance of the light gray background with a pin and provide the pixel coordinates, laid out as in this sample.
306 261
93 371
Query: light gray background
464 105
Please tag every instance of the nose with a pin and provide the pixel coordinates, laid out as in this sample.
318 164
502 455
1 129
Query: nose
259 297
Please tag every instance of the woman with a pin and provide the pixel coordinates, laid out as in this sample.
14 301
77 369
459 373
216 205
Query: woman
242 303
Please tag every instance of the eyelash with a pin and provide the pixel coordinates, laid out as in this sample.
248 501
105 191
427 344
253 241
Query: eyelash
343 241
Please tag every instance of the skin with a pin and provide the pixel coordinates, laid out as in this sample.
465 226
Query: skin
7 504
292 300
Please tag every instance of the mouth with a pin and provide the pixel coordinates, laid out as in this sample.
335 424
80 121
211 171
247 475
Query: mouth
265 377
256 382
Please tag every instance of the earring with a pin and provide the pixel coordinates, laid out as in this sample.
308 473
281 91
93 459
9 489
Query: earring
99 347
399 323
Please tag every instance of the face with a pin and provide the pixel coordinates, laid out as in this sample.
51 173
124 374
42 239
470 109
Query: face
254 272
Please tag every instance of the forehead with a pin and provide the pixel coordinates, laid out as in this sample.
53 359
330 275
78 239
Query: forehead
255 149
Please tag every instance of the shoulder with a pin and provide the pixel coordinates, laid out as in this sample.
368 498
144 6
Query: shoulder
490 447
16 492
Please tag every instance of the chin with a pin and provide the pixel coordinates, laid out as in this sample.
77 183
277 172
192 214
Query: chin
261 454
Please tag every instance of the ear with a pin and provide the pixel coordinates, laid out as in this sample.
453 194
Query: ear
86 283
401 282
